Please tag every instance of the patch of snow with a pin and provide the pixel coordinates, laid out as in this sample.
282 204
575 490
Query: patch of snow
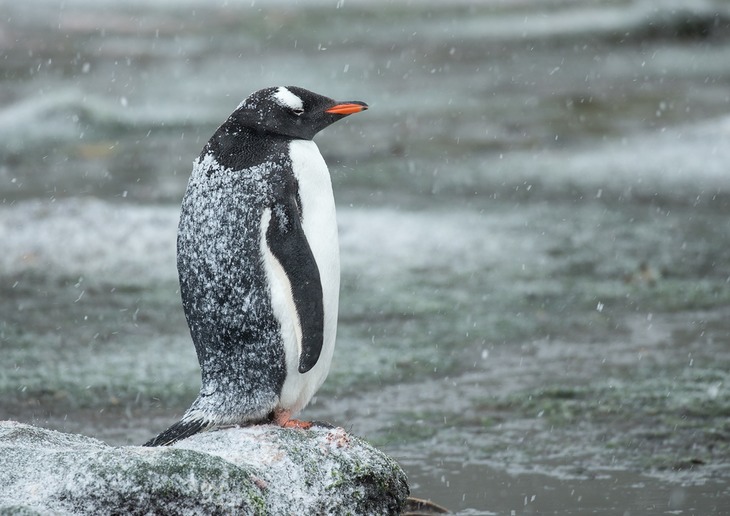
85 236
136 243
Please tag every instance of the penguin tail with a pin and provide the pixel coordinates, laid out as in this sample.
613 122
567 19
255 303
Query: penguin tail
180 430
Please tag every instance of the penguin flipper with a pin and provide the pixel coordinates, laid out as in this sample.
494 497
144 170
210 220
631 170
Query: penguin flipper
178 431
286 239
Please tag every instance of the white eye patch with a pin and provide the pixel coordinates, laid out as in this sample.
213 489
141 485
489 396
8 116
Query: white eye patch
287 99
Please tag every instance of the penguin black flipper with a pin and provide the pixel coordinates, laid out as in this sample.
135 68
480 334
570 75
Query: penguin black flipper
287 242
178 431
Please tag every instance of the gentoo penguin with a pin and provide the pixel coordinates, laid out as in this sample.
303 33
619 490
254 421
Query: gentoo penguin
258 262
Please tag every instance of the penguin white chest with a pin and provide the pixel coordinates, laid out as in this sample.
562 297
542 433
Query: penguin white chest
319 224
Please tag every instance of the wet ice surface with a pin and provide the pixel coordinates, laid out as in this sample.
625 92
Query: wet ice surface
533 220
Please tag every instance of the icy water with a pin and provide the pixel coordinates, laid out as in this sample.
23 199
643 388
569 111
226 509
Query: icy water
534 219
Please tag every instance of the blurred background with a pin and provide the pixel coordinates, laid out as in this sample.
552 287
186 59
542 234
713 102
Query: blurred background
534 219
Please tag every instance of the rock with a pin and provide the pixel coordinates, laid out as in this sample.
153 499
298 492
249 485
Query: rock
252 470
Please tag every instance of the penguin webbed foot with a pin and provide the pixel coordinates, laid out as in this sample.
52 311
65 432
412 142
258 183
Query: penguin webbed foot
282 418
297 423
305 425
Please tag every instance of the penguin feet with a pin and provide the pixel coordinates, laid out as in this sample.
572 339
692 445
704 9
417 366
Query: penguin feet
284 420
298 423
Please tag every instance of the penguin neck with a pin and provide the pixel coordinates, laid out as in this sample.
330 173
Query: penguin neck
239 147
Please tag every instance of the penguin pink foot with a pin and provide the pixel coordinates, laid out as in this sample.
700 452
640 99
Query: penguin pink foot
283 419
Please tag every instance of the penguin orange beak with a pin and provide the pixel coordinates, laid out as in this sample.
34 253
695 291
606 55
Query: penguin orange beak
347 108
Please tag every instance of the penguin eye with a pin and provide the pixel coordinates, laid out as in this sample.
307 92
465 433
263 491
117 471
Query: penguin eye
298 111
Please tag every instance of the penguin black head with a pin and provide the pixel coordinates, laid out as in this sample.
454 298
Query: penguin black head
292 111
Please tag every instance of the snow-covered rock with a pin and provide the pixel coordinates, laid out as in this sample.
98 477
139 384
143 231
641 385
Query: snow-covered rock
253 470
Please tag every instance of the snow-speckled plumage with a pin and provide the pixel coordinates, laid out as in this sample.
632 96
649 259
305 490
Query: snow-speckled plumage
258 261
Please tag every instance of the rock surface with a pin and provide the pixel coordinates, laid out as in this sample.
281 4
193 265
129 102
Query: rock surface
252 470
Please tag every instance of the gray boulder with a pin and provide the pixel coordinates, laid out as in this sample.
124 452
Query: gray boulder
252 470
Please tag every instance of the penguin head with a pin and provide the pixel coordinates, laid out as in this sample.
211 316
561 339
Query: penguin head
292 112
